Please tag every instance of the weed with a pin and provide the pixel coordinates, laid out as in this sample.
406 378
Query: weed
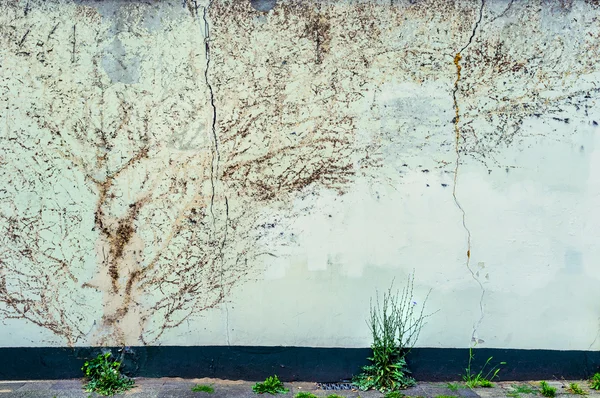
272 385
104 376
547 391
334 396
203 388
305 394
575 389
480 379
395 327
452 386
595 382
384 375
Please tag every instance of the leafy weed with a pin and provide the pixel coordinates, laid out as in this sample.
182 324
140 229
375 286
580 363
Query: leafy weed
272 385
104 376
395 325
595 382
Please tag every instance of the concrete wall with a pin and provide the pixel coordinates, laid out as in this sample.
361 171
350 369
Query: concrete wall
237 173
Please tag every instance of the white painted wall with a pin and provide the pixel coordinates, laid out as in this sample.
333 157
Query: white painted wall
333 168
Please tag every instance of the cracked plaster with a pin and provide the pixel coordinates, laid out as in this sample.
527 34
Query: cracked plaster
175 173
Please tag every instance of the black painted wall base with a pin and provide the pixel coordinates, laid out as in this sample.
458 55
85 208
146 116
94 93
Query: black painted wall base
292 363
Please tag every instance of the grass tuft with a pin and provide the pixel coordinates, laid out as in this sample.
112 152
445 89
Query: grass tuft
575 389
305 394
547 391
203 388
453 386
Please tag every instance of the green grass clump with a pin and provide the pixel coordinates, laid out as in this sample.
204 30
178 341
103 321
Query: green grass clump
272 385
575 389
394 394
334 396
595 382
305 394
203 388
485 383
547 391
104 376
452 386
480 379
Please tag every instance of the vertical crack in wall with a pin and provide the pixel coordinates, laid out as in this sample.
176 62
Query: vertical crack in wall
457 131
216 158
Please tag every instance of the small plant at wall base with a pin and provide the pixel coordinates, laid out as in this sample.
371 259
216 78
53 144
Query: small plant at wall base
575 389
480 379
203 388
272 385
305 394
452 386
547 391
104 376
395 327
595 382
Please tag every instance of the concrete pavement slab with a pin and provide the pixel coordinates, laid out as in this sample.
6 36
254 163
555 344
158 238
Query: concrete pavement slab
8 387
37 386
181 388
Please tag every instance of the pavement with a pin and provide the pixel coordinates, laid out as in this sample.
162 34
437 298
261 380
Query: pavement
181 388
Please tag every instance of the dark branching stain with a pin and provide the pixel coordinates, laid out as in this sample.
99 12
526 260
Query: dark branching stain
118 242
37 297
202 251
117 237
288 135
317 28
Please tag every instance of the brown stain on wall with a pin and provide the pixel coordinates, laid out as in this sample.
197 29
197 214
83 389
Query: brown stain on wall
117 237
317 27
279 139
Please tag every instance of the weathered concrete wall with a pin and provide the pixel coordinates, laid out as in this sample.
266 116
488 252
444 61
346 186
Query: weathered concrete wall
228 173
